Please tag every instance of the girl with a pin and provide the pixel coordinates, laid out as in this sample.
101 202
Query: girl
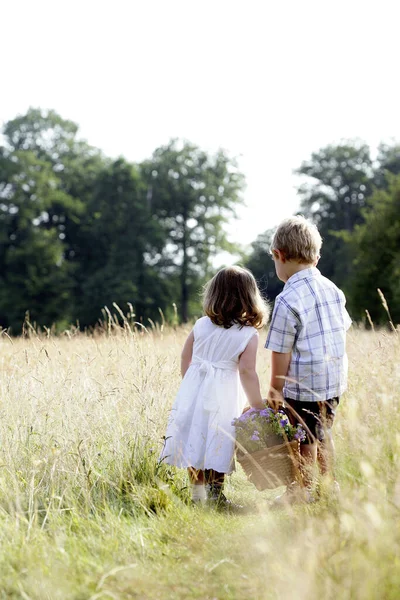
218 364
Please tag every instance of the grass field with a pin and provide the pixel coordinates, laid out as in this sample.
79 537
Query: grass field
86 512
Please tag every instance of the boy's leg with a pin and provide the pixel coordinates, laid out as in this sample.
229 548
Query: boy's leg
306 414
326 455
326 447
308 453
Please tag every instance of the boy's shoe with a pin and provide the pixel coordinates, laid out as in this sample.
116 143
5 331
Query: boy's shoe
294 494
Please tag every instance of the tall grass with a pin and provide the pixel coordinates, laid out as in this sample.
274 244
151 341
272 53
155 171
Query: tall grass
86 510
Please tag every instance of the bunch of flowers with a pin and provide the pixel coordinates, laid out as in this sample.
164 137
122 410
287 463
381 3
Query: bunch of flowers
257 429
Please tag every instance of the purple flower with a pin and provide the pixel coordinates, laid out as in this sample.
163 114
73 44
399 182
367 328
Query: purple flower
247 415
284 421
266 412
300 434
255 437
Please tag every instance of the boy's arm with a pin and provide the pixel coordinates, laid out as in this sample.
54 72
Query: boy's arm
280 362
187 352
281 338
248 374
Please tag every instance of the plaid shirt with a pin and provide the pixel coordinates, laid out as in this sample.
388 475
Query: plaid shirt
310 321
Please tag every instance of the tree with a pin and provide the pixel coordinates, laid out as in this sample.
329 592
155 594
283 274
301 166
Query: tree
124 240
33 273
76 165
192 194
78 231
339 181
388 161
262 265
71 167
376 245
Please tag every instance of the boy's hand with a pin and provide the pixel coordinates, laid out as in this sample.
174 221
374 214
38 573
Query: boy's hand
275 399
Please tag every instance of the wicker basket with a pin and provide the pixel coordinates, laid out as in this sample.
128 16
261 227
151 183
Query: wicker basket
271 467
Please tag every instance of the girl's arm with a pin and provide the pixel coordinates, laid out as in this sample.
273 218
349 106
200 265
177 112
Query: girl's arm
280 362
248 374
186 356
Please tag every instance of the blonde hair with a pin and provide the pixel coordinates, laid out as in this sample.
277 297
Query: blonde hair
232 296
298 239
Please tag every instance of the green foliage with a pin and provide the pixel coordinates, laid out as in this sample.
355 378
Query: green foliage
339 179
192 195
260 263
34 275
353 201
123 241
44 133
376 245
388 162
79 232
46 176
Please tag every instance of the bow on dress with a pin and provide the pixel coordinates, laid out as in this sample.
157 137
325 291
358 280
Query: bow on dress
208 368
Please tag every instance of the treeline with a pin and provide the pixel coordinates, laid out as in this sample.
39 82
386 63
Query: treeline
79 231
355 201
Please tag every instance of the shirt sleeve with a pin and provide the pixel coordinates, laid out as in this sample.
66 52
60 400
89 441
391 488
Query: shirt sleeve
347 320
346 317
283 328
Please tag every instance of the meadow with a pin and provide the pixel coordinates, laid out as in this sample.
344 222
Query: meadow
87 512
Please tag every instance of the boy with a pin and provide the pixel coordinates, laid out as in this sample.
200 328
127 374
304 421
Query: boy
307 337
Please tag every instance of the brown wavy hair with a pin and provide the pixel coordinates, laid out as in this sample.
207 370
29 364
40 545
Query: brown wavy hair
232 296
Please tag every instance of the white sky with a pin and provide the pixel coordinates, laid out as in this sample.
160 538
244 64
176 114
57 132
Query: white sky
269 81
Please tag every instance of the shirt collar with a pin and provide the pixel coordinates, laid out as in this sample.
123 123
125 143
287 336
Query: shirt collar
303 274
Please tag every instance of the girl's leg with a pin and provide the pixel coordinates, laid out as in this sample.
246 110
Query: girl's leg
196 477
215 484
215 494
213 477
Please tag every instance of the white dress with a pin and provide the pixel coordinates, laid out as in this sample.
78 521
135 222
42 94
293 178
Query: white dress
200 432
